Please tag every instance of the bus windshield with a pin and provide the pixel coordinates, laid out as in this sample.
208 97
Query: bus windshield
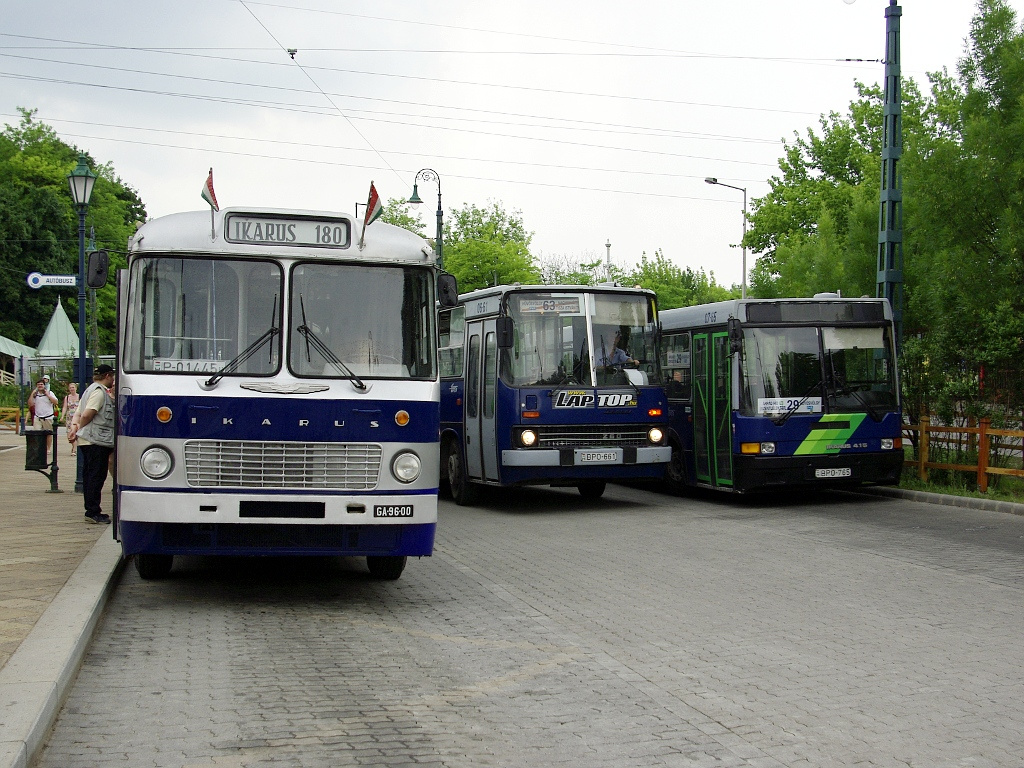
815 369
559 335
197 315
352 321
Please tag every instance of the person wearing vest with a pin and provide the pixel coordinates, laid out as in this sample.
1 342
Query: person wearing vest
93 430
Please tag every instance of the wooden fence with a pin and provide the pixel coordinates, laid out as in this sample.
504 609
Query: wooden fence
977 439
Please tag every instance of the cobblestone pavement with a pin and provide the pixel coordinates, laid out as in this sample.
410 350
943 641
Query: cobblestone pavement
641 630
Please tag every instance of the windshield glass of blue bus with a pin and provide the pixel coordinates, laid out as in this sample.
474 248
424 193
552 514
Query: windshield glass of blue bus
781 371
203 316
361 322
859 369
624 336
558 334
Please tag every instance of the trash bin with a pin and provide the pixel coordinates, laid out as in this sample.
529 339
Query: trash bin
35 455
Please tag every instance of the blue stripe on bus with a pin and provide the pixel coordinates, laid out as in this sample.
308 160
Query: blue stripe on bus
416 540
278 418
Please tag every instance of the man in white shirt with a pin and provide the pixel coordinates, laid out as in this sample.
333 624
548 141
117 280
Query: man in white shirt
43 403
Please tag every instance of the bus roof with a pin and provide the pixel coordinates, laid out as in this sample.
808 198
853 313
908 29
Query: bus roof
718 313
501 290
193 233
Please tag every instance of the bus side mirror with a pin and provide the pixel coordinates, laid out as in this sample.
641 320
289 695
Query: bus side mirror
447 290
735 335
96 269
504 328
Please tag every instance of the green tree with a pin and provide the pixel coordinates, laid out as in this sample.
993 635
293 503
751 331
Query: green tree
396 212
675 286
488 246
39 227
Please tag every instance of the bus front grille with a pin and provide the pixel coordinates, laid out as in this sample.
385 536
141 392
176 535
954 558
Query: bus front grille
592 436
254 464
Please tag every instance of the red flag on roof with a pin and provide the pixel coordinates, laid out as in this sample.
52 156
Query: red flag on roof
373 211
208 194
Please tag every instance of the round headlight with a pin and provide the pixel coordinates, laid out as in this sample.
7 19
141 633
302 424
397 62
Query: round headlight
655 435
406 467
156 463
528 437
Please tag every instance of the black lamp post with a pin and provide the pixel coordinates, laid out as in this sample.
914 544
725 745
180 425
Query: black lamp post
743 245
428 174
81 181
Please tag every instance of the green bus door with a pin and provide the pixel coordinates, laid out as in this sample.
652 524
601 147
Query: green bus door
712 408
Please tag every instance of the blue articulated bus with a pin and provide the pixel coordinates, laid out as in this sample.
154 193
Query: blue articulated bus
278 391
767 393
551 385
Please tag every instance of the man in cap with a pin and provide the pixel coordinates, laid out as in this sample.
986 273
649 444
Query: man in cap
93 430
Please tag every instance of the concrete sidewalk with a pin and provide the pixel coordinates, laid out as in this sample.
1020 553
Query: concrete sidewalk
56 571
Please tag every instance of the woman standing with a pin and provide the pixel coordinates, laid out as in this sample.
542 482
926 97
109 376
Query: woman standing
69 408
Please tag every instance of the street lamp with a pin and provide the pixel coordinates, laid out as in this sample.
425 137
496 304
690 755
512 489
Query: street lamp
713 180
428 174
81 181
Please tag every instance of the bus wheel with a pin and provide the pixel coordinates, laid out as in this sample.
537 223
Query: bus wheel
592 489
386 567
675 472
463 492
153 566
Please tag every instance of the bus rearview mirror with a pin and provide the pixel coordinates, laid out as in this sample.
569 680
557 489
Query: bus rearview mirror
97 268
735 335
447 290
503 327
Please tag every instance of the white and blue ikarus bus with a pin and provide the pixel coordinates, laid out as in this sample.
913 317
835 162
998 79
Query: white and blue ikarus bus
277 389
551 385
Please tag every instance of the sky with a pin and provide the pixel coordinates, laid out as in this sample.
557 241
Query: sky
597 122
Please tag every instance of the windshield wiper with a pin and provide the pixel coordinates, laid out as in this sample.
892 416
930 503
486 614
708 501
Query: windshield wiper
235 363
842 388
311 339
785 417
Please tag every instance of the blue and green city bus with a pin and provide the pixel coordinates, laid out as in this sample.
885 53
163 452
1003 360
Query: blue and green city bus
766 393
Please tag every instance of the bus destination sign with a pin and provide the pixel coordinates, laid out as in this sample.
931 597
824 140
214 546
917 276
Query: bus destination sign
287 230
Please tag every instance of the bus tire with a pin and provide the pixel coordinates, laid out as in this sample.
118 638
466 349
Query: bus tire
675 471
153 566
463 492
386 567
592 489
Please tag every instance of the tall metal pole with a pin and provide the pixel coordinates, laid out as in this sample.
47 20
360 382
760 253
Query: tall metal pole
81 298
429 174
743 245
889 281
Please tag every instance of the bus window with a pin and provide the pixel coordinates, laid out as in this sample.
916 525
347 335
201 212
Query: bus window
780 365
195 315
388 336
490 374
473 377
676 366
452 331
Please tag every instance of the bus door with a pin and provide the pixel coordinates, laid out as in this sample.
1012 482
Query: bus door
721 364
712 408
481 390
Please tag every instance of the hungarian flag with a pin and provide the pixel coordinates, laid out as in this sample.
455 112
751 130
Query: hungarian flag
208 194
373 207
